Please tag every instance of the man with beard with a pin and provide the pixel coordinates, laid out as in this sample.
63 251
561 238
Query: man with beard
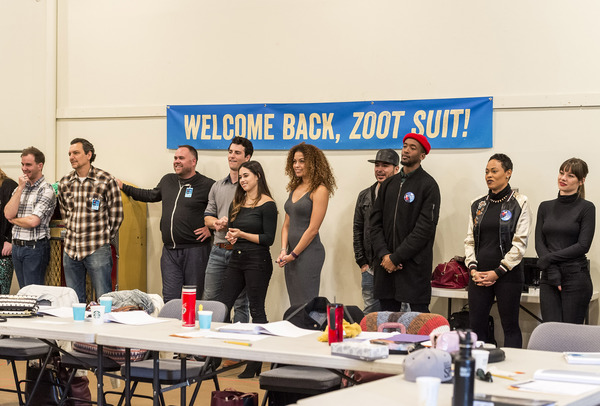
386 165
29 210
91 207
216 217
186 239
403 223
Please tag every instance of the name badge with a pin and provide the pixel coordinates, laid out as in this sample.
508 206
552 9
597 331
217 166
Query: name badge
95 204
188 191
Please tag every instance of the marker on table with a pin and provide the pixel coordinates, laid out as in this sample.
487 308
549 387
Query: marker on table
238 343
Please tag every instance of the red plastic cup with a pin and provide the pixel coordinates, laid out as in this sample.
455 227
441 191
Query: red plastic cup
335 322
188 306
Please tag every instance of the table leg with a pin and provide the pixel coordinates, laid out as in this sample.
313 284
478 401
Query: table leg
127 376
155 379
100 375
449 307
183 378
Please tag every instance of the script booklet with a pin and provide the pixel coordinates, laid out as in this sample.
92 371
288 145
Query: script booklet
495 400
279 328
558 381
583 358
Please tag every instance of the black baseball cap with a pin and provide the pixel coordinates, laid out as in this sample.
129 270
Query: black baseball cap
389 156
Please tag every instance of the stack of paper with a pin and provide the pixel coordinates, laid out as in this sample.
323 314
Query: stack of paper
590 358
279 328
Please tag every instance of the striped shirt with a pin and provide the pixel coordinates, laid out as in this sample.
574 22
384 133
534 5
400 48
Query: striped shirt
92 211
38 200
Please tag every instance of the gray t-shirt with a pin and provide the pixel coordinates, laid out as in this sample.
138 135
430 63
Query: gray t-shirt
219 199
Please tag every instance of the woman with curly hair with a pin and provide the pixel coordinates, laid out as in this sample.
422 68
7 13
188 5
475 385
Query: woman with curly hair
311 185
7 186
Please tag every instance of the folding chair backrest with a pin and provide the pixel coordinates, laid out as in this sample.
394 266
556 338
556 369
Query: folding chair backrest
560 337
58 296
172 309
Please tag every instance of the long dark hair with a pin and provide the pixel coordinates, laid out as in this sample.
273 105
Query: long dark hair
240 194
579 168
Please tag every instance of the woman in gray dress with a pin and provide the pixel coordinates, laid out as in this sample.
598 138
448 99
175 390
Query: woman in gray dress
311 185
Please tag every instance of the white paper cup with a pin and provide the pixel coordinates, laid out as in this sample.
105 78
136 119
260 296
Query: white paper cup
97 314
481 359
428 390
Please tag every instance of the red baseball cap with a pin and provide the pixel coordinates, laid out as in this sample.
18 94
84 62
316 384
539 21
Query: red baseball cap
421 139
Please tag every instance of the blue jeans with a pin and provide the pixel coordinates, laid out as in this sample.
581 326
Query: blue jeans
368 294
99 264
31 262
213 283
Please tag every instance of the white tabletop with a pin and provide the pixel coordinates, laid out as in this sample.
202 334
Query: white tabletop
297 351
532 296
395 390
55 328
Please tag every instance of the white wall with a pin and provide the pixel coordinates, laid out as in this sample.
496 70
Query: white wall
120 63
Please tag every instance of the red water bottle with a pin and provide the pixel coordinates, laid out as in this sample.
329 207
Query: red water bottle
335 322
188 306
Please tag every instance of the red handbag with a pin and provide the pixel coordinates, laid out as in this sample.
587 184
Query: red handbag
450 275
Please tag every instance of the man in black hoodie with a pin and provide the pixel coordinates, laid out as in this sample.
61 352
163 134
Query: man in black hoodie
186 239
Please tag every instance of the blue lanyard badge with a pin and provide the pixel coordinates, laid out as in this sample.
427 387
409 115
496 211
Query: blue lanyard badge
188 191
96 204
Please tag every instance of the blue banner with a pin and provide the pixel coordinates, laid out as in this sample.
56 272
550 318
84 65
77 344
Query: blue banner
447 123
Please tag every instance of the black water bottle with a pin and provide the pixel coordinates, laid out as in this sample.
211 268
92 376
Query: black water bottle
464 372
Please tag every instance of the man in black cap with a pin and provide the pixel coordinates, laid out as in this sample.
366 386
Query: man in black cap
386 164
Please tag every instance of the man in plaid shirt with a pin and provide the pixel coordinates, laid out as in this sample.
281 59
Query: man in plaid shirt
29 210
91 206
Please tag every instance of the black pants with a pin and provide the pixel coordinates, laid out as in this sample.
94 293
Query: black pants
570 304
507 292
392 305
251 269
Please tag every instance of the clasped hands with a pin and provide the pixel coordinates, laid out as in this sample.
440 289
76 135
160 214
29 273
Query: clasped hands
388 265
232 235
487 278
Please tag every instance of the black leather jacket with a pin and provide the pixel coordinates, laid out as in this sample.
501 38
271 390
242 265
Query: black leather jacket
363 249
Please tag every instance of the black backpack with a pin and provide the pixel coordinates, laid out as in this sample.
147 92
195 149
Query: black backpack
460 320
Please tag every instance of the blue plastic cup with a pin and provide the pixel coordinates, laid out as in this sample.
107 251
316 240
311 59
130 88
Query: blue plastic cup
204 319
79 311
107 303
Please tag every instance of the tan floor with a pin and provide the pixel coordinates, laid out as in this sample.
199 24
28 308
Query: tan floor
226 380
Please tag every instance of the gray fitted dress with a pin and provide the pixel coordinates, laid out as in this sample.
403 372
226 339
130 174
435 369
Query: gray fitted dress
303 275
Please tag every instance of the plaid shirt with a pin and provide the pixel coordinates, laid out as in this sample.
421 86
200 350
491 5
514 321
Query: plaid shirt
92 211
37 199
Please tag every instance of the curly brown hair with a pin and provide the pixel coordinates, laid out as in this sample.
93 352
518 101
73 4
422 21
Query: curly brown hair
316 165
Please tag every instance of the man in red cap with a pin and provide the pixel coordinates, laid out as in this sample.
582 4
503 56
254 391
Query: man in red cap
403 223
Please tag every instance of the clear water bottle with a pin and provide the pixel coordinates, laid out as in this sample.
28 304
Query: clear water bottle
464 372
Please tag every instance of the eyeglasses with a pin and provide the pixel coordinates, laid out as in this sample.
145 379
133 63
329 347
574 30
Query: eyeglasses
484 376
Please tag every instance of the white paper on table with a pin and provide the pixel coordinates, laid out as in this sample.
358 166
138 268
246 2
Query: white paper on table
56 311
136 318
373 335
219 335
555 387
279 328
